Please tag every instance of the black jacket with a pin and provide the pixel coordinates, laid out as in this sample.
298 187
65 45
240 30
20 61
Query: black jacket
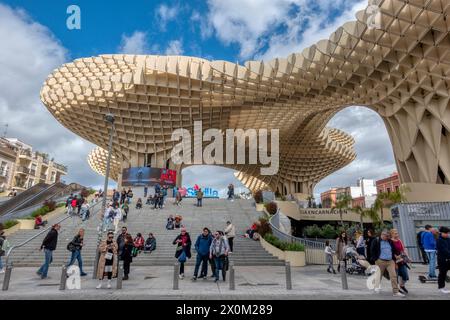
77 242
127 255
369 242
375 250
120 242
187 248
51 240
443 250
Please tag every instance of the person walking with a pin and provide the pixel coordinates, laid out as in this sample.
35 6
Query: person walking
219 251
145 191
341 244
329 252
230 191
420 246
199 197
183 250
107 264
123 196
85 211
109 213
429 246
202 246
49 245
117 217
127 255
443 257
75 247
383 252
402 259
178 198
370 237
125 209
69 204
230 232
130 195
4 246
150 243
121 240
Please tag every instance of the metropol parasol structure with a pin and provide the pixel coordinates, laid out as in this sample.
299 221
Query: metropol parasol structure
400 69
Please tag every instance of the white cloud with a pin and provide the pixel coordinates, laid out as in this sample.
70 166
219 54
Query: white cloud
269 28
165 14
375 157
134 44
175 48
28 53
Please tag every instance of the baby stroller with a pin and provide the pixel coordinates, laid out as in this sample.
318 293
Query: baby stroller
355 265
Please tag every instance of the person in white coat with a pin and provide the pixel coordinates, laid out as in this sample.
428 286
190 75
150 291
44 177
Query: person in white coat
230 232
117 217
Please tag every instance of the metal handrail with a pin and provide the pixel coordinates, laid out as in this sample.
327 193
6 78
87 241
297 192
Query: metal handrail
38 234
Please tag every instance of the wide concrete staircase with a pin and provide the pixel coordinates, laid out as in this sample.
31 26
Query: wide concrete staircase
213 214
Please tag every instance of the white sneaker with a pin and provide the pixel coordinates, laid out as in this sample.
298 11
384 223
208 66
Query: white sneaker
399 295
377 290
109 284
443 290
181 276
2 270
99 286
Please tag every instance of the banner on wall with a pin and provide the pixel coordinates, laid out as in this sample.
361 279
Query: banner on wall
191 192
145 176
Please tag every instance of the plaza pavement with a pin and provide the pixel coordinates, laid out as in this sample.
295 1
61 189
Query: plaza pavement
155 282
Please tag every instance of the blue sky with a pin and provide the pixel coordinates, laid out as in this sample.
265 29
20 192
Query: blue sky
35 33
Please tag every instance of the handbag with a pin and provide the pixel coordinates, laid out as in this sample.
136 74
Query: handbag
108 255
71 246
182 257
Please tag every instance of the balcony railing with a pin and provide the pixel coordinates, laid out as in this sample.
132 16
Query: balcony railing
60 167
23 169
26 153
44 176
45 161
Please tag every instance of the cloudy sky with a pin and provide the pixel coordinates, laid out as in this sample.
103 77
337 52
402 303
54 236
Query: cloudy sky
35 40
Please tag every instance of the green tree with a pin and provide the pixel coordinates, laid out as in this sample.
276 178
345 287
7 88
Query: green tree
388 199
342 203
370 213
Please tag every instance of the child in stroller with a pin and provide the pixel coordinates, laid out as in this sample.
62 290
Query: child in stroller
358 263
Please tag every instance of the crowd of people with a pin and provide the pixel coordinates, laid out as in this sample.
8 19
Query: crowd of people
388 252
78 205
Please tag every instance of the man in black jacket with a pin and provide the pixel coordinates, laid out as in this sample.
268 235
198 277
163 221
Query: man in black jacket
382 252
49 245
443 257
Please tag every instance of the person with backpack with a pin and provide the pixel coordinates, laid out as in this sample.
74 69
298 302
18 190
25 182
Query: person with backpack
4 246
420 246
75 247
49 245
107 264
219 251
127 256
125 209
202 246
199 197
183 250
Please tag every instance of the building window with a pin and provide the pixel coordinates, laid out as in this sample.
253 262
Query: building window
388 190
53 176
396 188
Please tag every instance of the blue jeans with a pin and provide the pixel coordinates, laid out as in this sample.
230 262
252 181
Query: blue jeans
76 255
201 259
1 263
219 265
402 272
43 270
432 266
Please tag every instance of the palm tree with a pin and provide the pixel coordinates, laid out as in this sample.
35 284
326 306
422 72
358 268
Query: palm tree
388 199
370 213
342 203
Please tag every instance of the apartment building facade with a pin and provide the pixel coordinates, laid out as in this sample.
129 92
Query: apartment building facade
8 155
32 167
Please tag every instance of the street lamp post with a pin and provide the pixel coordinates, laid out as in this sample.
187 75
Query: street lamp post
110 119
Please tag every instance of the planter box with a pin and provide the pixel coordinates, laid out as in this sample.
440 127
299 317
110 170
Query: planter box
296 258
11 230
26 224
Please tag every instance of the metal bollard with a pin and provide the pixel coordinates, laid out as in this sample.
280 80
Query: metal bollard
62 284
288 276
176 271
232 284
343 275
96 260
119 275
7 277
